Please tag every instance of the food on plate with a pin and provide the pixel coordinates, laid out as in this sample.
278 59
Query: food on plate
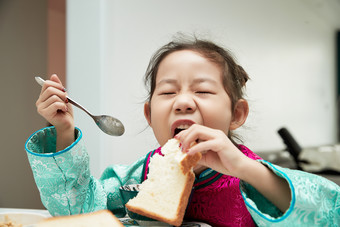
9 223
102 218
164 195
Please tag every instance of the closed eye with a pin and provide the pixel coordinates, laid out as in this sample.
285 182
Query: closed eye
168 93
204 92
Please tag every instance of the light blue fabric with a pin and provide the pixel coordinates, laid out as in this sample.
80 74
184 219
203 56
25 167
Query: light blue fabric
67 187
315 201
64 179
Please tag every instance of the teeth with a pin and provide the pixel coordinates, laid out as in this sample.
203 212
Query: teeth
183 126
180 128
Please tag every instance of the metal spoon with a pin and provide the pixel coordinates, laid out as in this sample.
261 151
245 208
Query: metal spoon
107 124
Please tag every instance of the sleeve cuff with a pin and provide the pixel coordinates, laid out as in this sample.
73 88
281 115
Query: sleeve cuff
259 206
43 142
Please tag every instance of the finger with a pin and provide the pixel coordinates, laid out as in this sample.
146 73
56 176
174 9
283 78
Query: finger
52 91
212 160
196 133
53 82
208 159
56 79
51 110
203 147
184 138
50 100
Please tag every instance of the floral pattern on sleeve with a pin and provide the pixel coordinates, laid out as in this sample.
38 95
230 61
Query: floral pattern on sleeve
64 179
315 201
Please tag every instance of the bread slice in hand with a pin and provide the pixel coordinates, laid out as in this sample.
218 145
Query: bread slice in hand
165 193
102 218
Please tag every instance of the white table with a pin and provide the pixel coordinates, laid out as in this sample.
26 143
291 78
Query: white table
14 210
126 221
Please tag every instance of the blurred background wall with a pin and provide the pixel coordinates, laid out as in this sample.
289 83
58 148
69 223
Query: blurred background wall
23 54
287 47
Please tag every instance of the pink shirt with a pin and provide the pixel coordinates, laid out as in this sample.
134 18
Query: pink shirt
216 198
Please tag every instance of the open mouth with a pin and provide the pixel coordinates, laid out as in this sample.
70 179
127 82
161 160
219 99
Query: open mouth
180 128
180 125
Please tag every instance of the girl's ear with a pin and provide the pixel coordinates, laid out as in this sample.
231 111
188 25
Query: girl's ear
240 114
147 112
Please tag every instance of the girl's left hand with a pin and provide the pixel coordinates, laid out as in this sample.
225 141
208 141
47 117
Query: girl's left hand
218 152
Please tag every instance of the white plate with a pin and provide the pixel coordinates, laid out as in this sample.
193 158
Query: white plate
151 223
24 218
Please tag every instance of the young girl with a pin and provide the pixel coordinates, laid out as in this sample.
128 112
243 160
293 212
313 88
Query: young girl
196 94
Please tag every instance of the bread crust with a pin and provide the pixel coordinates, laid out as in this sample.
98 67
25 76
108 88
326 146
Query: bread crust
189 161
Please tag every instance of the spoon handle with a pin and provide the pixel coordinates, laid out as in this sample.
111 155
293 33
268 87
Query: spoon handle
79 106
41 82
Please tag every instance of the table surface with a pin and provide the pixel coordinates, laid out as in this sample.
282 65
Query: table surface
126 220
15 210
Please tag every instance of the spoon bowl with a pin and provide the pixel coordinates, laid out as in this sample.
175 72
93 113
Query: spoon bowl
110 125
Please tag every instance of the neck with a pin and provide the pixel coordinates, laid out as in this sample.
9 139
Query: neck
199 169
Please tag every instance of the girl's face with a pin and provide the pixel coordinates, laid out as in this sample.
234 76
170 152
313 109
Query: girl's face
188 90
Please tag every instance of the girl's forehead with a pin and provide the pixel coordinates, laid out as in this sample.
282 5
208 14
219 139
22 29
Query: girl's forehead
190 64
184 54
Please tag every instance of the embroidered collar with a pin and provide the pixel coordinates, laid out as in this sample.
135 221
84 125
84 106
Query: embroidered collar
206 178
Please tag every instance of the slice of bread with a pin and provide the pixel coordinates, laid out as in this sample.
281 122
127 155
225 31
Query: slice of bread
102 218
164 195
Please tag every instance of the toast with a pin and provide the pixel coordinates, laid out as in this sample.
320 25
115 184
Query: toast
165 194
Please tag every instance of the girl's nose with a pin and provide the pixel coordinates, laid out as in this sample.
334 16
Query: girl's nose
184 104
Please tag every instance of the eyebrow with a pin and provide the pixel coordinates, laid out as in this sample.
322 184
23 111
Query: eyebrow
167 81
196 81
203 80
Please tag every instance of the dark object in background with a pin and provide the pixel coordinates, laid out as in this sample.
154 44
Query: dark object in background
294 149
292 146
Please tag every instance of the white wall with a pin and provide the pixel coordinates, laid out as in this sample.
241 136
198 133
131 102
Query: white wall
287 47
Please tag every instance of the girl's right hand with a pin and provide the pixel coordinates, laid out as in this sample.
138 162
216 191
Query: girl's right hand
52 104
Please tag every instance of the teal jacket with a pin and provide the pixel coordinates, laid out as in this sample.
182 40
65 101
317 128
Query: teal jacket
67 187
